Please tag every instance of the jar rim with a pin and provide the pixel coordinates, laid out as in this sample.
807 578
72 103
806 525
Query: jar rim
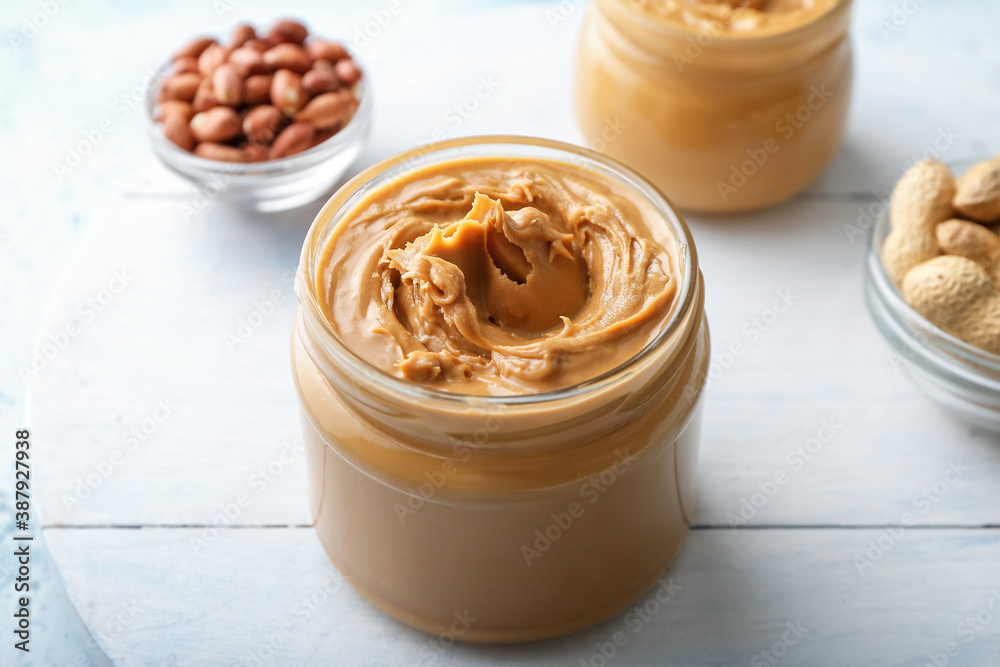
688 295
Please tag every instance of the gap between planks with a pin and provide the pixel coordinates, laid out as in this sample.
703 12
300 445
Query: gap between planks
296 526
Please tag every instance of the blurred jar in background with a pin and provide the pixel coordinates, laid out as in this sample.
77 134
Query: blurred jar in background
724 106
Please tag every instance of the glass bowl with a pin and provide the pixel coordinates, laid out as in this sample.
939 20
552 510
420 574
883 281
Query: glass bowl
957 376
274 185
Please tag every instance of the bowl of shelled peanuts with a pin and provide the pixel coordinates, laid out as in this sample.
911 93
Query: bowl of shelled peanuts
933 283
267 120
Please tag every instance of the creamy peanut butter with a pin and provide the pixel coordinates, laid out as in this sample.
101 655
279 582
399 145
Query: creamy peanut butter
497 276
741 17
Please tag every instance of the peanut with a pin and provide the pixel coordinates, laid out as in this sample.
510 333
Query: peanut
258 45
248 61
213 56
921 200
257 89
179 87
262 123
322 135
217 124
176 129
287 56
242 34
327 110
186 65
220 152
972 241
204 97
320 49
956 294
347 71
194 48
255 153
174 107
286 91
978 195
295 138
320 79
227 84
288 31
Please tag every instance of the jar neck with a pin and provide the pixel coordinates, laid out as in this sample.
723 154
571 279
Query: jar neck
711 52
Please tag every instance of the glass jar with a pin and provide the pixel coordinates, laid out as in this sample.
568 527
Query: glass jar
501 518
721 121
959 377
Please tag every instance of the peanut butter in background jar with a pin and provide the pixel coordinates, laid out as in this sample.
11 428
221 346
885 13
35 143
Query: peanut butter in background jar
499 352
726 105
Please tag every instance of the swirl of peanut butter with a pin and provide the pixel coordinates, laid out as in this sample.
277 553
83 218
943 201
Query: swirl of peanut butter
498 276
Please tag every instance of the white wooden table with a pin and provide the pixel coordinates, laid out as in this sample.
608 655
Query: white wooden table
151 423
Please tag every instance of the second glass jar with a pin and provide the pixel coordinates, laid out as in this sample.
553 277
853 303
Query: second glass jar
720 121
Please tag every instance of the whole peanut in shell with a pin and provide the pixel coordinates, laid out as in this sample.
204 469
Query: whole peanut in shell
978 193
921 200
956 294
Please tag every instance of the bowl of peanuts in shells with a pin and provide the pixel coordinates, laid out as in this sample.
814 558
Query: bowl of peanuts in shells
268 120
933 283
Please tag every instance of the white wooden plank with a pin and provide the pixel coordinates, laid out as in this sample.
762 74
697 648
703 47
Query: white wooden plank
737 593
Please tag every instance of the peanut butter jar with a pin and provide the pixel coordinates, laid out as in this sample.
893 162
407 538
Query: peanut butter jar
726 106
485 511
